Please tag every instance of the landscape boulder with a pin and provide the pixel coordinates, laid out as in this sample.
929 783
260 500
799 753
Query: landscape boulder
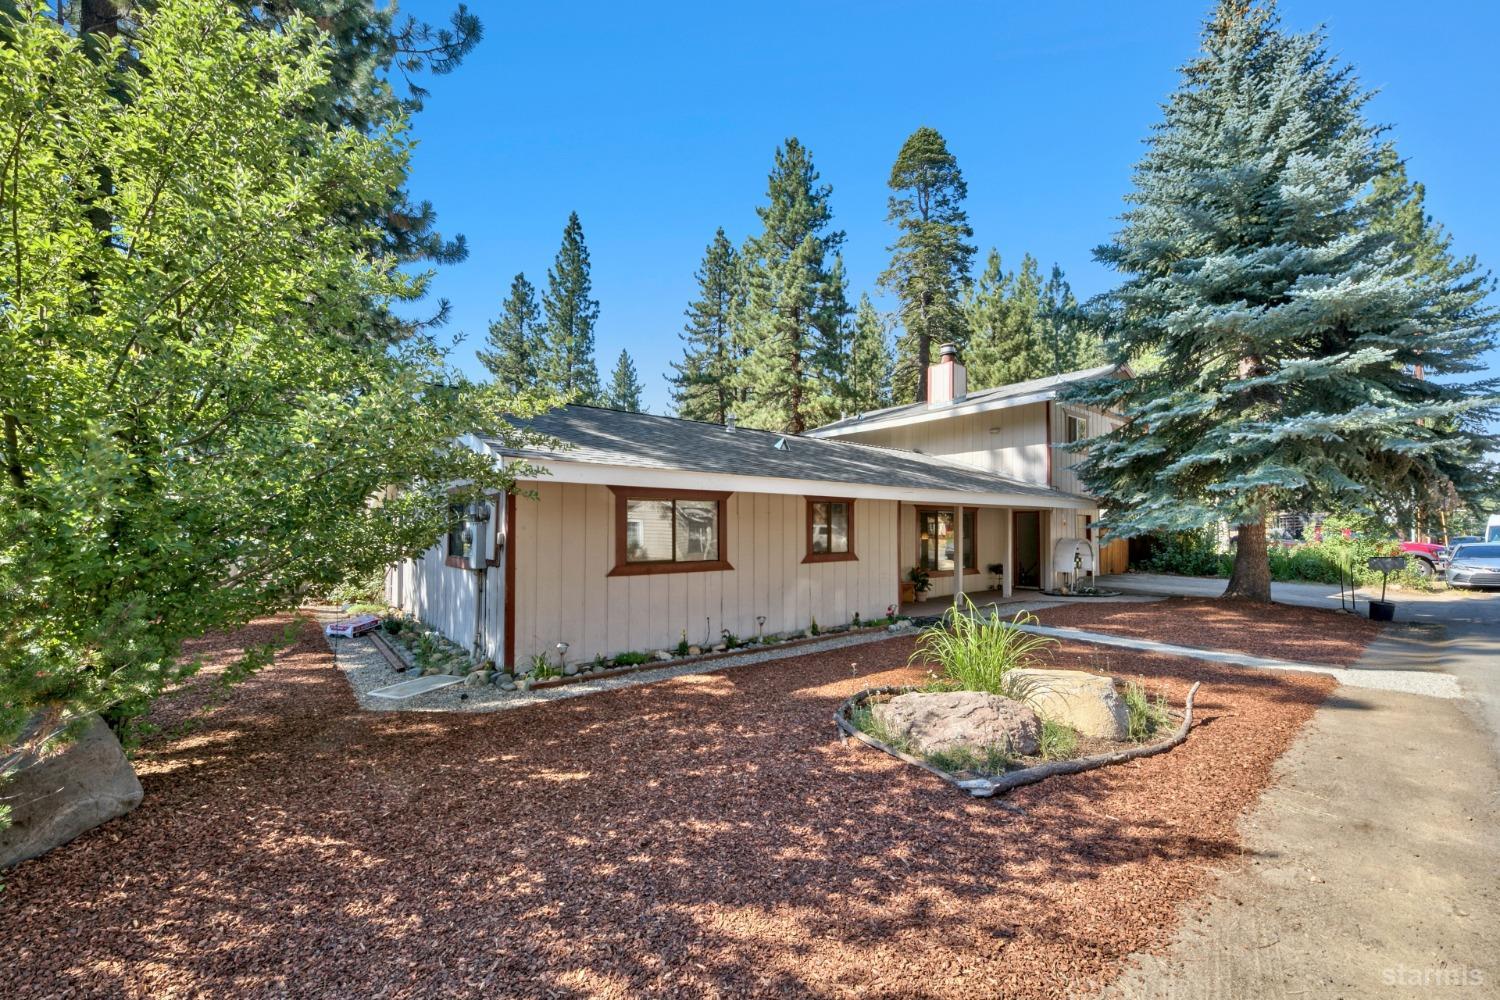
67 793
942 721
1087 702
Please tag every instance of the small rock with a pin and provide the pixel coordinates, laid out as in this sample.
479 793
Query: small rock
662 655
720 647
570 670
477 679
507 685
524 684
695 650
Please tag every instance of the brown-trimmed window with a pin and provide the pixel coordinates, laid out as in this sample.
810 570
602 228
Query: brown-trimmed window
1075 428
830 530
936 540
669 531
456 548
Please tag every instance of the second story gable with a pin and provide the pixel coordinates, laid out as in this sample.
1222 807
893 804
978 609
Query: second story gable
1019 430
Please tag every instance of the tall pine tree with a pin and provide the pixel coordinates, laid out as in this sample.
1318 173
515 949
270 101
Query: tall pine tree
867 376
1070 340
1019 328
930 260
568 366
702 383
624 392
792 301
829 361
1283 322
515 340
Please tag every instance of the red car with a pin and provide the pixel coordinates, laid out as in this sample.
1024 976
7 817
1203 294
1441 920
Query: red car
1424 558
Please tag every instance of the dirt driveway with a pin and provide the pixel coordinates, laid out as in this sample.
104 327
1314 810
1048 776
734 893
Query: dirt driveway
705 836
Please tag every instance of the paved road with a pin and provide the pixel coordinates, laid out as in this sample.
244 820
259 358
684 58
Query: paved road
1372 866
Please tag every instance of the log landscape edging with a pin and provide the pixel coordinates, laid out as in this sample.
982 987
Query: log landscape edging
987 787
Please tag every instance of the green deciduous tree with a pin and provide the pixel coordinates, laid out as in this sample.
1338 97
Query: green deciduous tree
571 311
930 260
702 383
367 44
514 343
194 418
1281 320
793 297
624 392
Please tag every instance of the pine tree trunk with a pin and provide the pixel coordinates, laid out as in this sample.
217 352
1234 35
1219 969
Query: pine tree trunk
1251 577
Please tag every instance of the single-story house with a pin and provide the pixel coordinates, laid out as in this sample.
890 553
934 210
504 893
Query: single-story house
646 530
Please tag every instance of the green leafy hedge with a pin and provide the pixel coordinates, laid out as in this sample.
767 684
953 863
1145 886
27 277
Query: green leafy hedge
1193 553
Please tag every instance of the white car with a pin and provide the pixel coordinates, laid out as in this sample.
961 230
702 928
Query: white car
1476 564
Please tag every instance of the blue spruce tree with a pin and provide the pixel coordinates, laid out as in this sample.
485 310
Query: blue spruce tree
1274 328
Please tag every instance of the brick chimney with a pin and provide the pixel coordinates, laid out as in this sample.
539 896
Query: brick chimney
948 379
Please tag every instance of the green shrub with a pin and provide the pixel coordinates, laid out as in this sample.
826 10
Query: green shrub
1058 741
631 659
979 653
682 644
1145 716
1187 553
367 609
392 625
368 588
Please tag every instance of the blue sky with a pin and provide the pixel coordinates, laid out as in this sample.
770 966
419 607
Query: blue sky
657 123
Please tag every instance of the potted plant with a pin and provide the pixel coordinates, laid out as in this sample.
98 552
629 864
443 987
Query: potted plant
997 575
921 583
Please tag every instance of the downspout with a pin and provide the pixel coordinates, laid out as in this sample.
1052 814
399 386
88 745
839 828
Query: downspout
479 646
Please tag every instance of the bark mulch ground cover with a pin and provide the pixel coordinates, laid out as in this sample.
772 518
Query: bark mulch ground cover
1286 631
706 836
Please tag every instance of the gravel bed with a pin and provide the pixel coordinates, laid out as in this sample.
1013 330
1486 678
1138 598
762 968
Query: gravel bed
366 670
1284 631
705 836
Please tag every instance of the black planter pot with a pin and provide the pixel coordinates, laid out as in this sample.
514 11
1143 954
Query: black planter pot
1382 611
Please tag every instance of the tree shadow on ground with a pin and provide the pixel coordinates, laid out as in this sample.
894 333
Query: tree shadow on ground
703 836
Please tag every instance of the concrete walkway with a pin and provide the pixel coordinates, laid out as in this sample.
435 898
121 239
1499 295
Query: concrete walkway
1426 680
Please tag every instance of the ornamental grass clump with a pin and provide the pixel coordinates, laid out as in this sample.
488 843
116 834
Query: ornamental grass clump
980 653
1145 716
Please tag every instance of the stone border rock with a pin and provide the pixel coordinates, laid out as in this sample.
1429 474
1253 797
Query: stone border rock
987 787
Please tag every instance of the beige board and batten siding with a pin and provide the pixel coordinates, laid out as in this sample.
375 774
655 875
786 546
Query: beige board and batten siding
565 548
1010 442
1063 458
428 588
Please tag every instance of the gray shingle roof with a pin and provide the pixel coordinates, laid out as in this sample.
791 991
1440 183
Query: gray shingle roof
648 441
979 400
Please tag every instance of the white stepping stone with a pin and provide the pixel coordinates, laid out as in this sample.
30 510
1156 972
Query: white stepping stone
415 686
